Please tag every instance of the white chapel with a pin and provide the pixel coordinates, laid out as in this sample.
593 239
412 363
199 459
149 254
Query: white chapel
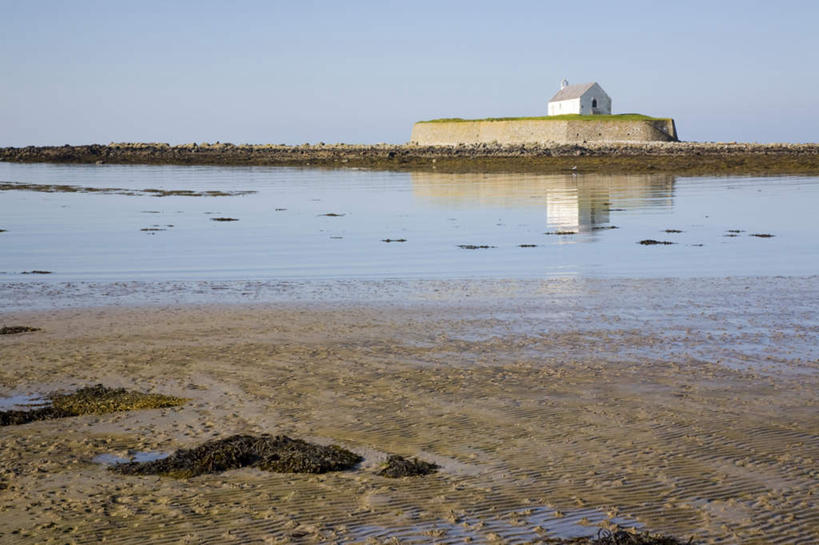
582 98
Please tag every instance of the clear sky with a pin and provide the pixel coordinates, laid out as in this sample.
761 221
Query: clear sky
362 72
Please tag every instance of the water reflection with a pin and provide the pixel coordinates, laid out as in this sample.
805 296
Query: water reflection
572 202
452 225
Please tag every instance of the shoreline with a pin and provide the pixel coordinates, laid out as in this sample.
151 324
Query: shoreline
40 296
685 158
695 417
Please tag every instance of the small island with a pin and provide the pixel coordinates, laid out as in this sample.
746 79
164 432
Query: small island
578 114
559 129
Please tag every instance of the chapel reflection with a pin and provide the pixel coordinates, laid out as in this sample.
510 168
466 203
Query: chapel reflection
573 202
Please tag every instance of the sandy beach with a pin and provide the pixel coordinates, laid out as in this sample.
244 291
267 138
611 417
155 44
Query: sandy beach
547 414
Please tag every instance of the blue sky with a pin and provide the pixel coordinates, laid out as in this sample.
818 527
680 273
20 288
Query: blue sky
362 72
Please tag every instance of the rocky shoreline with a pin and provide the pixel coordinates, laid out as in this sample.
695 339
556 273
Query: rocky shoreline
677 157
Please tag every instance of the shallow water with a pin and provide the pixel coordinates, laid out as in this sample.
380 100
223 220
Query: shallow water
511 527
109 459
23 402
283 232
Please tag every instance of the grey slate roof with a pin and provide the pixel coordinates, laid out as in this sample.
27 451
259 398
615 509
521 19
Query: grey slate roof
572 91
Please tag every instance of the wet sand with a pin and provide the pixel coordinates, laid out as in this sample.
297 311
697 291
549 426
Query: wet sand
696 418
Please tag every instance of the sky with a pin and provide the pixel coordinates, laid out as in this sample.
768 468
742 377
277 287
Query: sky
271 72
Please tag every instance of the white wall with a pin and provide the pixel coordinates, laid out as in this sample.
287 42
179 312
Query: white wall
603 101
565 107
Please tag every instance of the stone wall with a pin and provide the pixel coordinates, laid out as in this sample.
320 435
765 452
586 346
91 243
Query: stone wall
542 131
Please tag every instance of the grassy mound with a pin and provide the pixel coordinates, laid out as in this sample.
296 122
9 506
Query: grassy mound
398 466
566 117
280 454
90 400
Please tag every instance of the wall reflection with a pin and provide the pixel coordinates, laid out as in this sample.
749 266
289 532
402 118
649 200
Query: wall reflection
572 202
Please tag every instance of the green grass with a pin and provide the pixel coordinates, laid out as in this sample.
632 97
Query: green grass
567 117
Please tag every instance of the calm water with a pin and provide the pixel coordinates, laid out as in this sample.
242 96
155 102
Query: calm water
282 233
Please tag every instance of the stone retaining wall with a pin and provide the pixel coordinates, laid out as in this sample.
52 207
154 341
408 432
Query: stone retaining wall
542 131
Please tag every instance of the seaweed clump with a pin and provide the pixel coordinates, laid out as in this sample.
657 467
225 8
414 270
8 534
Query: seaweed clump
475 246
621 537
279 454
398 466
64 188
15 329
651 242
89 400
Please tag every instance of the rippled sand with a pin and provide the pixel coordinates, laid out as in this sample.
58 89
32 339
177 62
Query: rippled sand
681 407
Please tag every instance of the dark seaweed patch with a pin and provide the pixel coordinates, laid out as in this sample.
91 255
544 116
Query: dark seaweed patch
474 246
604 227
527 245
621 537
35 271
672 231
762 235
280 454
89 400
333 215
15 329
224 219
393 240
560 233
651 242
63 188
735 231
398 466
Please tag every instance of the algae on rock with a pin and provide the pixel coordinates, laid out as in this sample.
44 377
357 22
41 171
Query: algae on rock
280 454
398 466
97 399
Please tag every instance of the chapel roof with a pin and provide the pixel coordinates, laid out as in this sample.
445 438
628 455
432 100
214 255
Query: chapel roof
572 91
